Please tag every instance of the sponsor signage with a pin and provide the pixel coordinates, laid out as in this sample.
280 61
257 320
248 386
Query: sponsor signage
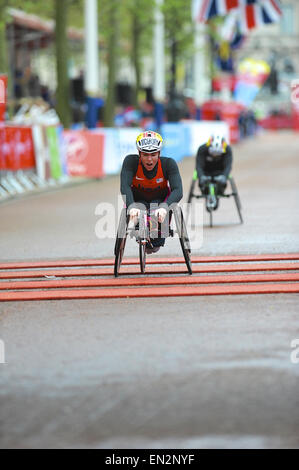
3 94
17 149
84 153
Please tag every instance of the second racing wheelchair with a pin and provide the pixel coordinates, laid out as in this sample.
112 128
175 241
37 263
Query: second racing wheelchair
145 229
212 196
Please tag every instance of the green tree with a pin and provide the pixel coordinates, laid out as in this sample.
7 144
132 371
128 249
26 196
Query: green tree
3 45
59 10
179 34
62 54
109 27
138 28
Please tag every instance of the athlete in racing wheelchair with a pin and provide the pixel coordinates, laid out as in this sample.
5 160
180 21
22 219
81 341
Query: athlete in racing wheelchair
151 187
213 166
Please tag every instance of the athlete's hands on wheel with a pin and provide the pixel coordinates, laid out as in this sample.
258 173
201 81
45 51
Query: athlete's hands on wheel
221 179
134 214
203 179
161 214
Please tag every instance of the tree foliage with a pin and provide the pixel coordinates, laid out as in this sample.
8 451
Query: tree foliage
3 51
110 19
125 30
179 33
138 29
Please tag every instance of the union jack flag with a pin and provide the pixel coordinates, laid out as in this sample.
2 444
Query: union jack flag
202 10
251 13
258 13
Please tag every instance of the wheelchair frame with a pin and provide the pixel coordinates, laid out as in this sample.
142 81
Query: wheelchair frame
142 235
213 195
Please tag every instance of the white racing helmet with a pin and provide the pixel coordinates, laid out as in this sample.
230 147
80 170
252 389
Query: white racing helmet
149 142
217 145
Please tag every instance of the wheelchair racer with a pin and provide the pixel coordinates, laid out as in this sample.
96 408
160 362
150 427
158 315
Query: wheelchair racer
151 180
214 159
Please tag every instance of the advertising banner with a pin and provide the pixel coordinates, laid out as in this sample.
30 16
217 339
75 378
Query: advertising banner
27 149
3 87
54 152
2 144
127 141
111 159
84 153
175 140
18 148
62 149
41 152
3 96
200 131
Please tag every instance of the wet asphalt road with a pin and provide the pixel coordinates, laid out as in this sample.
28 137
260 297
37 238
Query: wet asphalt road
191 372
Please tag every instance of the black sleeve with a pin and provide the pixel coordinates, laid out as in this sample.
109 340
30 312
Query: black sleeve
200 160
172 173
128 171
228 160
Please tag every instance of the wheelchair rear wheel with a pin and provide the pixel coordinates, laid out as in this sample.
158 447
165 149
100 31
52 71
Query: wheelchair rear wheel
236 198
120 242
183 236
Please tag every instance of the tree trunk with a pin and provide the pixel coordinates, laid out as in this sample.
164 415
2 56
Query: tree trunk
136 58
173 66
63 84
112 60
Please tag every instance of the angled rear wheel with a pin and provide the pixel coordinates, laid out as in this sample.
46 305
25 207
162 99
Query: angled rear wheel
183 236
236 198
120 243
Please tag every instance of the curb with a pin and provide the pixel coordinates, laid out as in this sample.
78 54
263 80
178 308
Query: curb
51 188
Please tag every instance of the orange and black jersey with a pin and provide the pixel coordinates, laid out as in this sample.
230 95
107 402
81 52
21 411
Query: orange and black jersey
138 184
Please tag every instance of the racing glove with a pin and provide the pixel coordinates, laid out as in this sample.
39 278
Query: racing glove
221 179
134 214
161 214
203 180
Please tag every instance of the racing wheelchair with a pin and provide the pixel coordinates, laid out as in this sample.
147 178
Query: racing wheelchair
212 196
143 231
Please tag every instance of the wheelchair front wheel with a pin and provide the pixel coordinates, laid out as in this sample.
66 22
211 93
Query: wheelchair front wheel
142 256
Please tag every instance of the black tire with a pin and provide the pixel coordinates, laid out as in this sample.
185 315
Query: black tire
120 242
142 237
183 236
121 229
236 198
211 218
142 256
119 256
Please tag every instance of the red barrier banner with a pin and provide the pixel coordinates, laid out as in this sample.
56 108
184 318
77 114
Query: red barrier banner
2 143
18 148
3 85
84 153
3 94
